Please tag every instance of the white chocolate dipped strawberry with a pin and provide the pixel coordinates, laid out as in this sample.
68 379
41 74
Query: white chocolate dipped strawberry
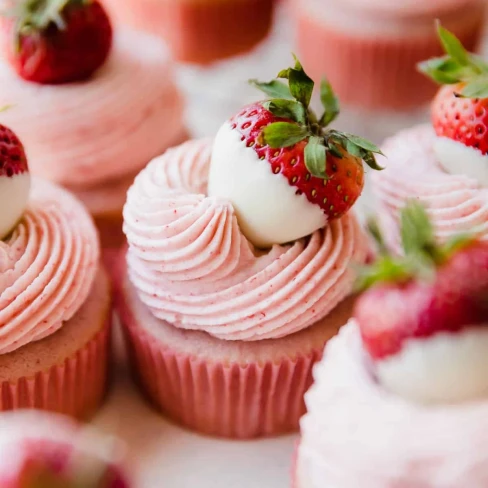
285 173
14 180
424 316
460 109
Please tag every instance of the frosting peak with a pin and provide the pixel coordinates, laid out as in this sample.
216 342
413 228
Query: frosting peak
47 266
193 267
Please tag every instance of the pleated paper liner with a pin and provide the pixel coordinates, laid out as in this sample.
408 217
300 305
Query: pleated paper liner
200 31
222 388
54 374
374 72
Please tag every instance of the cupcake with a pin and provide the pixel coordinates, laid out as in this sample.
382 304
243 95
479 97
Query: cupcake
368 49
238 263
40 450
55 300
89 125
400 398
199 31
444 164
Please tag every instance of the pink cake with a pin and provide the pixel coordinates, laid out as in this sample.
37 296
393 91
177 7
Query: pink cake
199 31
240 261
92 136
368 49
208 313
400 396
55 300
40 450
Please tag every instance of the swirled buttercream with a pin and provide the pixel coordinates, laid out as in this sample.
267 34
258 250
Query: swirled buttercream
110 125
357 434
193 267
47 266
454 202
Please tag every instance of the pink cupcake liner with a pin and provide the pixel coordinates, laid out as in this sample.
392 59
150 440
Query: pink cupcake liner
180 372
200 32
225 400
374 72
75 388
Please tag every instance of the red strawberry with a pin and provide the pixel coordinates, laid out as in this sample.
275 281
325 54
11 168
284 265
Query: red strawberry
460 109
335 194
59 41
12 155
413 299
14 180
461 119
322 166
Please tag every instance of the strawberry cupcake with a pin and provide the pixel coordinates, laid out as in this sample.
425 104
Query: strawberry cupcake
238 267
368 48
400 398
39 450
55 300
89 125
445 164
199 31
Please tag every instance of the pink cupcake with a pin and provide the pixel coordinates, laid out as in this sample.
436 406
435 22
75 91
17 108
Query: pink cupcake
91 135
443 165
55 300
40 450
400 398
238 268
199 31
368 48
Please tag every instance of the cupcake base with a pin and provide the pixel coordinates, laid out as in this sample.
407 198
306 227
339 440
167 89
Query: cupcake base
200 31
378 71
67 371
222 388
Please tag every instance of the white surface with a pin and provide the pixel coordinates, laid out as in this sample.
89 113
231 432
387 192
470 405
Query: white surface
267 207
458 159
164 455
444 368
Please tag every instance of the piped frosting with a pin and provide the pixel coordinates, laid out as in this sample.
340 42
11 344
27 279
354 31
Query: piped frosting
194 268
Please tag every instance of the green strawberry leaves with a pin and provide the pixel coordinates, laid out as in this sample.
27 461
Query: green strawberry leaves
330 103
289 109
301 85
291 103
283 134
422 255
315 157
273 89
457 66
478 88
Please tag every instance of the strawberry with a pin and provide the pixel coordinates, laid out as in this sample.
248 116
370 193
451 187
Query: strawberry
321 165
59 41
460 109
431 293
12 154
14 180
334 190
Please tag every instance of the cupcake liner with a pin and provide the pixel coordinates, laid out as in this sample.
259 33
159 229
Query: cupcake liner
225 400
76 387
374 72
200 32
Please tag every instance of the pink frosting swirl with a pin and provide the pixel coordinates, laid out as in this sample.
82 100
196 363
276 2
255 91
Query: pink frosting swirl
80 134
47 266
357 434
193 267
454 202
